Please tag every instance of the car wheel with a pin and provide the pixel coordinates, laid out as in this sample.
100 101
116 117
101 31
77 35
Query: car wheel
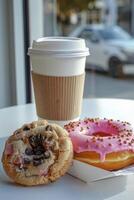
115 67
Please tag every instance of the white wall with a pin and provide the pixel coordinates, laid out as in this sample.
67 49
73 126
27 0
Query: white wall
17 53
5 87
12 63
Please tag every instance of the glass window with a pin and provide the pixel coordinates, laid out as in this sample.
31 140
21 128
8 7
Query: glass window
110 67
87 34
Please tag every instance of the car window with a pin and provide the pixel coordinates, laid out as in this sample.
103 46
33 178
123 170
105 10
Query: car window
87 34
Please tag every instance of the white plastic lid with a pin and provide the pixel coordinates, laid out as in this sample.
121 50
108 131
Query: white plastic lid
59 47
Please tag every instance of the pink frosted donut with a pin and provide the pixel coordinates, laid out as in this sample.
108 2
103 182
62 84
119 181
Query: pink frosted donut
108 144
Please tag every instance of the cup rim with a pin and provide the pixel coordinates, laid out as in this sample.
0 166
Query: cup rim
59 47
60 53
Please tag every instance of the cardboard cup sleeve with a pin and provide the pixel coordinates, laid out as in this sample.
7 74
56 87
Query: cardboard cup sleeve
58 98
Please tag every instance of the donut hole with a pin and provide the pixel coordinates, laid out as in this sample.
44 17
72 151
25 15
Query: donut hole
102 134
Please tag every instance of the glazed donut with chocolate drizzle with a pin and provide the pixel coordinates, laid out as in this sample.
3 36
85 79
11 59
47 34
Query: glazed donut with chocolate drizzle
37 153
108 144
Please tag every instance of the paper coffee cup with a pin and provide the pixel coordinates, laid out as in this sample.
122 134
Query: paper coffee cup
58 72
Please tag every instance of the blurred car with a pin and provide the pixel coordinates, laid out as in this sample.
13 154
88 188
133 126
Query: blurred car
110 47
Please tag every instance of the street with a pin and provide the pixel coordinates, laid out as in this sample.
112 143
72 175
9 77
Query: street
101 85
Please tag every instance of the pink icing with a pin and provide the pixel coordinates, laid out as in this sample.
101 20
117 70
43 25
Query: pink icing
9 149
43 172
86 136
18 161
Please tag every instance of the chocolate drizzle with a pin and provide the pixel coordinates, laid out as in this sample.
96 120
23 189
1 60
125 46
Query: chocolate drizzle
40 147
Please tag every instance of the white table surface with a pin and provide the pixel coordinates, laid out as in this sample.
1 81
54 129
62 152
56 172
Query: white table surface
68 188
